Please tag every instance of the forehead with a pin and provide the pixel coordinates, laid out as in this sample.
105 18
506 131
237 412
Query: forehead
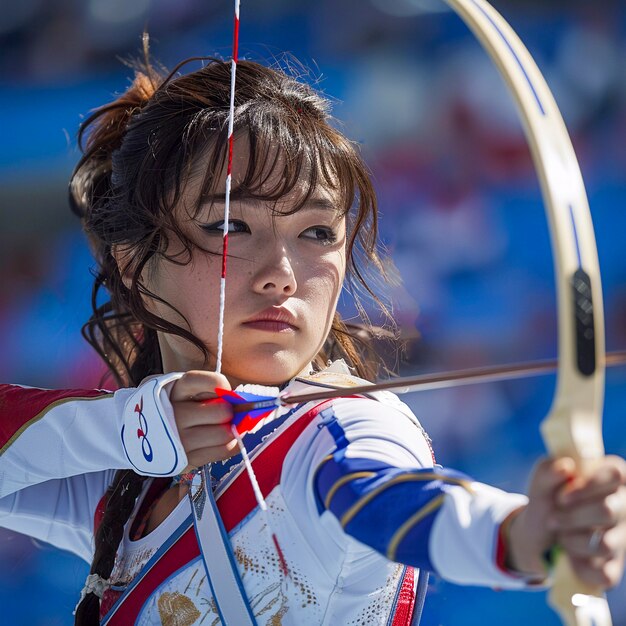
268 173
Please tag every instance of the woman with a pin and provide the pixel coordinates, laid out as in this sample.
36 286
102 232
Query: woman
355 502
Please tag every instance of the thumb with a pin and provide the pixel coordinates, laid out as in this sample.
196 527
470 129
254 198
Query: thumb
551 475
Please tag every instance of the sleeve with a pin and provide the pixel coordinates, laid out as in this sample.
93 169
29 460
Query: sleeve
59 512
46 435
59 450
379 481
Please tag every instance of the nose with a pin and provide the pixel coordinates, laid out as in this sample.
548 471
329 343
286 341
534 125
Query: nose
276 275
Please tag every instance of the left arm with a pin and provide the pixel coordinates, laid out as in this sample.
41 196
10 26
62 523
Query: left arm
380 484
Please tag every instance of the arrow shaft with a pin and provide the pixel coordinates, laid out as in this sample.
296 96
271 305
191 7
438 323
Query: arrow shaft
425 382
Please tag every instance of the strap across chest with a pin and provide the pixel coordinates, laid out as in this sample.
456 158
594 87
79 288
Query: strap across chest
235 501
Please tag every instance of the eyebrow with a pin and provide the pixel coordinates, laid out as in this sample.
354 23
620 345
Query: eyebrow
320 203
312 203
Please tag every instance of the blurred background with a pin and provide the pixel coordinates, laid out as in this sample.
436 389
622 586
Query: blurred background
461 214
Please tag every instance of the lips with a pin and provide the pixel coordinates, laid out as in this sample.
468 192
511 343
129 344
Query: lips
274 319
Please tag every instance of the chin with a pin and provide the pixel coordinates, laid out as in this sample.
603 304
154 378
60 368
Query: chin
269 372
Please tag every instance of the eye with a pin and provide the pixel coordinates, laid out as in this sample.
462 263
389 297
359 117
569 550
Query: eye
234 226
322 234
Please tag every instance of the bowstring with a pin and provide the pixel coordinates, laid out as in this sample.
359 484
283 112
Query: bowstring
229 168
222 305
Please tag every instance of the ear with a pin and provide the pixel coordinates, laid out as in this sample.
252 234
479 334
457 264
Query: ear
123 255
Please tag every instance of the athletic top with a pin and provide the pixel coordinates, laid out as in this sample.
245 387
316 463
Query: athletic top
355 499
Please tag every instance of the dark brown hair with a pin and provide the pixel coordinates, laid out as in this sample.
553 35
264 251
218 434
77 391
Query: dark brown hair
138 155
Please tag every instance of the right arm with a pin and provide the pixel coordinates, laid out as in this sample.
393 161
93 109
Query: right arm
59 451
59 512
47 435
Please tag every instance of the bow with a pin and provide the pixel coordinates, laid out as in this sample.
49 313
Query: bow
573 426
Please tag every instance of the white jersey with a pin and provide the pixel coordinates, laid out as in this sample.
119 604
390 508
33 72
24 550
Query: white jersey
354 499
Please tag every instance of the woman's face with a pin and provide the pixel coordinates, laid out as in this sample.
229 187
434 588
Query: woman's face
283 279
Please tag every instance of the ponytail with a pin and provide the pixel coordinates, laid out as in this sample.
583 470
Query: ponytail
120 502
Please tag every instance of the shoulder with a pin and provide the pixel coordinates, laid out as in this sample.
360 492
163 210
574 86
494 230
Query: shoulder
338 376
373 416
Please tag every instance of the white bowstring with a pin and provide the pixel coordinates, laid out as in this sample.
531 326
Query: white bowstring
231 123
246 461
220 330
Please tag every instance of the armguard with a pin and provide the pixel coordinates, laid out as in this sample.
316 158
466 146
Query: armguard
149 434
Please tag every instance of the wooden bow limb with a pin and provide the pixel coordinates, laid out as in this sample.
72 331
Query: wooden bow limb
574 425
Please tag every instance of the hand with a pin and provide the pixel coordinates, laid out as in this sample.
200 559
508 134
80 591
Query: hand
586 516
590 523
202 419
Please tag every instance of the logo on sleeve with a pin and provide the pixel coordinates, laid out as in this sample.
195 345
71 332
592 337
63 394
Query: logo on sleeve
142 431
148 435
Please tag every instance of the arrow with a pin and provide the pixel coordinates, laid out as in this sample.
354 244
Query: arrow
423 382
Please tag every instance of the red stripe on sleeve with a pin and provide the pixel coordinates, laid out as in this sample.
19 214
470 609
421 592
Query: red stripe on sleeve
20 407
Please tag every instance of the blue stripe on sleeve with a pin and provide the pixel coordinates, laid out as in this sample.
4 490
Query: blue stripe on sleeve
333 470
391 510
332 425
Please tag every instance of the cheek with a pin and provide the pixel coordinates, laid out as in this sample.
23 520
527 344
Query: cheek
189 288
338 272
326 286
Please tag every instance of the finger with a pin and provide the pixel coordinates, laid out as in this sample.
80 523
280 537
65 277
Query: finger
195 384
212 454
606 479
604 544
604 513
550 475
599 572
206 437
208 412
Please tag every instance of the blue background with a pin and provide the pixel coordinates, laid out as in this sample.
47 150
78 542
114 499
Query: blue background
461 214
